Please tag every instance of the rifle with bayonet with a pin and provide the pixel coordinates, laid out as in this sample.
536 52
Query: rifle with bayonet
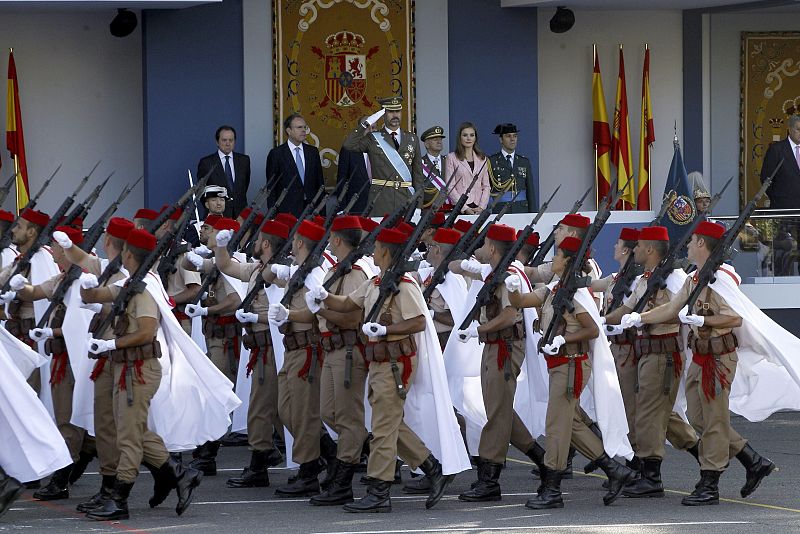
89 241
355 197
459 205
7 187
82 209
5 241
547 244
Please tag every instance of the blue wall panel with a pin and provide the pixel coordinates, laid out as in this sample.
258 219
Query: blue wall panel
693 90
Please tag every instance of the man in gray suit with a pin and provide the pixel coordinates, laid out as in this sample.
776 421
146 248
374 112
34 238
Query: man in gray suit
394 157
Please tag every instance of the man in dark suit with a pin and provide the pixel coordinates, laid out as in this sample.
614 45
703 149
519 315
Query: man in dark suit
297 165
232 171
511 173
784 192
353 169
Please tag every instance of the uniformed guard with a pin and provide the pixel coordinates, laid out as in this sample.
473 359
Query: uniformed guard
702 198
214 198
511 173
433 163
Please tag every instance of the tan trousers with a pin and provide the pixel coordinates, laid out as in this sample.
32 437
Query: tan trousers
563 423
503 425
225 362
104 427
627 373
298 406
135 441
391 437
342 408
62 410
262 412
680 434
711 418
653 406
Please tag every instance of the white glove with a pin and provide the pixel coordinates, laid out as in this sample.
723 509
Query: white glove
630 320
552 348
202 250
62 239
614 329
313 305
373 329
195 259
423 264
281 272
690 318
17 282
7 297
417 256
246 317
96 346
277 314
471 265
469 333
513 283
88 281
40 334
602 319
318 293
372 119
95 307
223 238
195 310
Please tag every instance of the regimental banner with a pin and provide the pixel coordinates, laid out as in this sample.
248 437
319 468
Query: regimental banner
333 60
770 94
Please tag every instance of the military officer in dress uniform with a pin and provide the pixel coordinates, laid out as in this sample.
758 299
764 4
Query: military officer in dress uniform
510 173
394 156
214 198
432 162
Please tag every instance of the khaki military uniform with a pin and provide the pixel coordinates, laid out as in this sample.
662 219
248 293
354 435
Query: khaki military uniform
342 407
176 283
221 331
391 436
563 422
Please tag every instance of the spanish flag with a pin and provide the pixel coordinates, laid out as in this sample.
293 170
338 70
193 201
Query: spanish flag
601 134
621 142
15 141
647 137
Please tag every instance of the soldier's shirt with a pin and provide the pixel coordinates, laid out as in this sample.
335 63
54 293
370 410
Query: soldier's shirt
501 294
709 299
346 285
25 310
662 296
251 273
93 265
298 303
570 320
406 304
439 305
221 287
141 305
177 281
48 287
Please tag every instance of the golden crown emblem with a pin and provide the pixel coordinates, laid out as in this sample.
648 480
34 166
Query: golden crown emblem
344 42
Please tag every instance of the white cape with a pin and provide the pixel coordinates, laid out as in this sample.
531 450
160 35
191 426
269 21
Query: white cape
21 355
43 268
75 327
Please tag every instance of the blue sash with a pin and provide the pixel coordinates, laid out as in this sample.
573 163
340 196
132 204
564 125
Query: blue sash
394 158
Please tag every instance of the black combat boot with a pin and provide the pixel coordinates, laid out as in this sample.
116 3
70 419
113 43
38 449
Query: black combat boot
377 499
10 490
439 481
706 491
174 475
550 496
648 483
419 485
57 488
566 473
162 484
398 475
205 458
96 501
694 450
254 476
306 484
487 488
757 468
79 467
327 451
116 507
340 491
618 476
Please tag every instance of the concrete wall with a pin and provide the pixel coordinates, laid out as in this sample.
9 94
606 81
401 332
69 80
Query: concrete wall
565 93
81 95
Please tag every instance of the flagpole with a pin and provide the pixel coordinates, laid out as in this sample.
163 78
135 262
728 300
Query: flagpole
649 153
596 169
621 159
16 180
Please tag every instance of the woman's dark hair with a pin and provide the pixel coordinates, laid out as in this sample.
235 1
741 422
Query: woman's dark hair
460 152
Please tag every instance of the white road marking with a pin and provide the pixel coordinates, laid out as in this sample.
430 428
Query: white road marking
541 527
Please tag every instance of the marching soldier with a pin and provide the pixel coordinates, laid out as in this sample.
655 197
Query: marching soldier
432 163
511 173
442 243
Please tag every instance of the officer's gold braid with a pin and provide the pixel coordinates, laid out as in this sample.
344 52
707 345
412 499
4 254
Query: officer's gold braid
498 187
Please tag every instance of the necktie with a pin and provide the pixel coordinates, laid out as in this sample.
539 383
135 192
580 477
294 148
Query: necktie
299 162
229 173
509 160
436 164
394 138
797 154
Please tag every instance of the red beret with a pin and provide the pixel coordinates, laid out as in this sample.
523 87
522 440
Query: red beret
175 214
319 220
629 234
405 228
211 220
570 243
145 213
368 224
310 230
710 229
501 232
576 220
119 227
275 228
6 216
437 219
462 226
141 239
74 234
448 236
392 236
446 208
77 222
533 239
223 223
346 222
245 213
653 233
36 217
287 219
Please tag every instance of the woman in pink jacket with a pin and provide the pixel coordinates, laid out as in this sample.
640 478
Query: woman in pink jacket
466 162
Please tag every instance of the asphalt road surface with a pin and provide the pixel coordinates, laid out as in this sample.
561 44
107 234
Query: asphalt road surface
774 507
